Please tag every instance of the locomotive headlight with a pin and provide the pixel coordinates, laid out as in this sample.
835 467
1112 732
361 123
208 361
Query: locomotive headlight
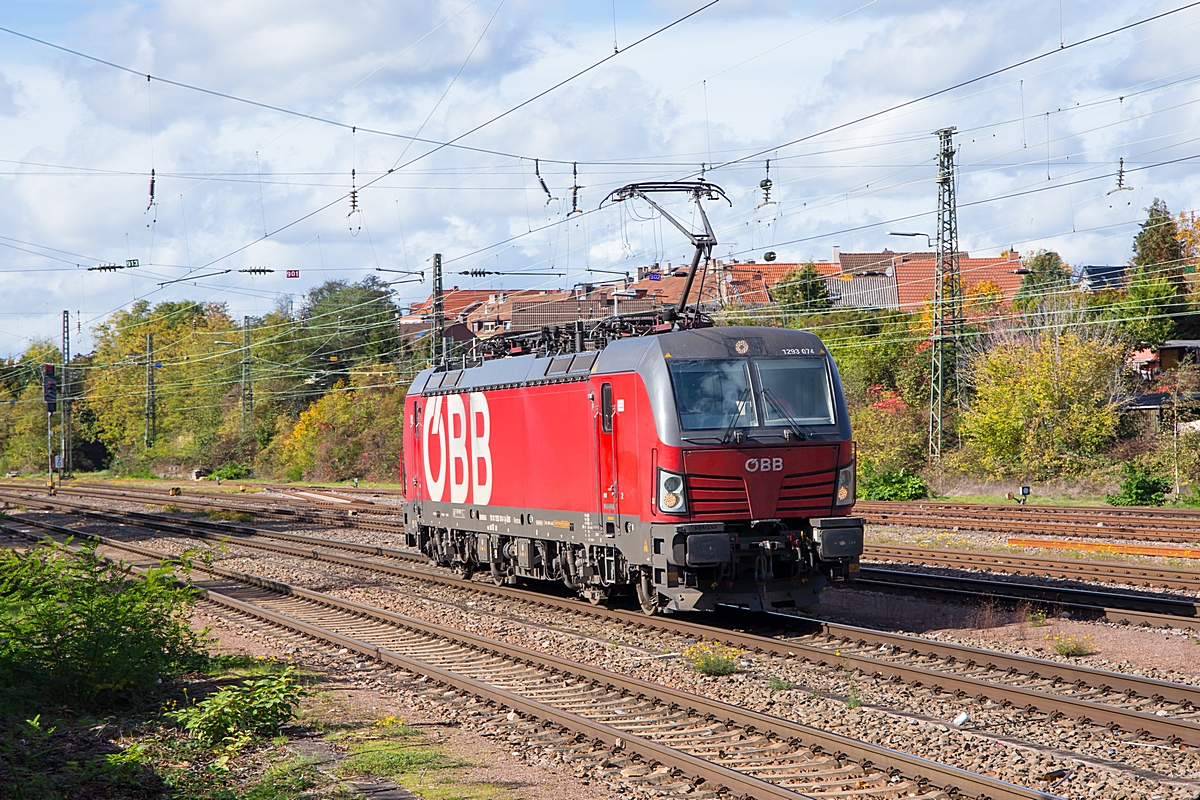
843 493
671 495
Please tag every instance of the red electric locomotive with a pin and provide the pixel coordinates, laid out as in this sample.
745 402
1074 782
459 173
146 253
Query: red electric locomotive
694 466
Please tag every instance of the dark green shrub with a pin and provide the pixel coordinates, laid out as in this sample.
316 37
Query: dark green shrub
294 473
79 629
900 485
1139 488
231 471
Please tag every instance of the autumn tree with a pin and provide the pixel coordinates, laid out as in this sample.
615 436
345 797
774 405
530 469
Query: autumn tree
891 433
22 412
1045 395
1157 290
196 371
1047 276
1188 226
984 297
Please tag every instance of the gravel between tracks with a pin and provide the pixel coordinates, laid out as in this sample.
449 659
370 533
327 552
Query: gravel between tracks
522 769
910 719
916 723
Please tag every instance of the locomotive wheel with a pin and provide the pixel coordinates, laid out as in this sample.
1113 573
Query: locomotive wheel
463 570
597 597
647 596
497 575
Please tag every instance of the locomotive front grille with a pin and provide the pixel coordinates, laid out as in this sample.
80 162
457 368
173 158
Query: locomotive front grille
726 498
804 494
718 496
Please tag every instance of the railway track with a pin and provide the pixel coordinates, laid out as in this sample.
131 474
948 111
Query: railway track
1136 705
296 510
1115 606
1142 524
1164 612
1150 576
681 740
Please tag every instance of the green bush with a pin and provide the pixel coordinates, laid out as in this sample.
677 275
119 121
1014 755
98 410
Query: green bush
76 628
1139 488
231 471
901 485
294 474
230 718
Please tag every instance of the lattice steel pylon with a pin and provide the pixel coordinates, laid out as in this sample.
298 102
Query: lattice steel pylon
947 298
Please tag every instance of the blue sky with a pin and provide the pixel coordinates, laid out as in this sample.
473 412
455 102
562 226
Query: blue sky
733 83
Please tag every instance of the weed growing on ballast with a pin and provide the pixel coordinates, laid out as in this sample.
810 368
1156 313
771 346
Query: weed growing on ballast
713 658
1073 645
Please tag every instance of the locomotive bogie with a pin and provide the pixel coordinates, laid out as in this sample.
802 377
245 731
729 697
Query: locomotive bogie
691 469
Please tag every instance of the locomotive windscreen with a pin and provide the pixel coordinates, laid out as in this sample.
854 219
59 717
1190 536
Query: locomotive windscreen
718 393
713 394
796 390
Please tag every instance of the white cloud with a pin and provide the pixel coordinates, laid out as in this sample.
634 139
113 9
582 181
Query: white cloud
766 83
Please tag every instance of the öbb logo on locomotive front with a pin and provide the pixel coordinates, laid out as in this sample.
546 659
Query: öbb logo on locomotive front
764 465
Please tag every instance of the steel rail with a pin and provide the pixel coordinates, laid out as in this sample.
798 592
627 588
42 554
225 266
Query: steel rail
306 514
1082 522
1172 514
1170 729
920 772
1070 568
1091 599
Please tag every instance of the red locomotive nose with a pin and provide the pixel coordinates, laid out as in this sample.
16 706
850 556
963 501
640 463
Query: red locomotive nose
762 482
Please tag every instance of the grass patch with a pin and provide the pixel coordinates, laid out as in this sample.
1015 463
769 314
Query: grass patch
224 516
777 684
393 760
389 748
285 781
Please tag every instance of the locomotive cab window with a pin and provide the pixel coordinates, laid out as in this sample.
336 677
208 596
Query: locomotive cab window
795 391
606 407
713 394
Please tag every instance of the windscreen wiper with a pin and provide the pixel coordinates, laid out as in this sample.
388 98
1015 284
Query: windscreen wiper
791 421
738 410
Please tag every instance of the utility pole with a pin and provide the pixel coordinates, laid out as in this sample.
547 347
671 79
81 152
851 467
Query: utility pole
947 297
439 312
247 382
151 412
65 420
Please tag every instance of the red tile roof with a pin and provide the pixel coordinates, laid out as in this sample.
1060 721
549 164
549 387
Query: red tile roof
454 301
915 276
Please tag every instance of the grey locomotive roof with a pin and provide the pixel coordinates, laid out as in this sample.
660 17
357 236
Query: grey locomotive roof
623 355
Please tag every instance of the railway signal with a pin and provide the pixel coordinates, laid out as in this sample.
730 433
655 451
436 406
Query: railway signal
49 388
50 396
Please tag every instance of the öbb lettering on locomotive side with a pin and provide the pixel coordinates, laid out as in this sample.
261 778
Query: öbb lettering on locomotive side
691 467
459 428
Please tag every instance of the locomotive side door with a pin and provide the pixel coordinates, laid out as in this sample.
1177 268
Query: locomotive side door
607 467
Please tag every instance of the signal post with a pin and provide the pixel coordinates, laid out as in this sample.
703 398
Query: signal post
50 396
